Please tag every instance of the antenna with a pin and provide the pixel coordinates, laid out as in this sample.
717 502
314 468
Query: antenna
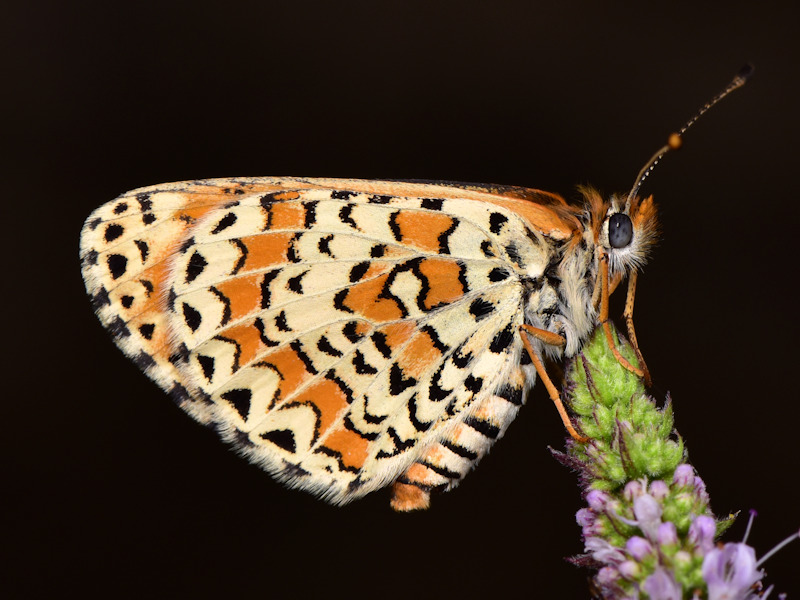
676 140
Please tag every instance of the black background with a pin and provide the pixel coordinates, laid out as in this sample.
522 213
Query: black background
110 489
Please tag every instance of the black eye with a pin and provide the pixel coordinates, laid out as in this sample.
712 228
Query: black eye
620 230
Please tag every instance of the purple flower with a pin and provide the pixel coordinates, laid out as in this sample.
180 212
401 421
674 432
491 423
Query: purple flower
702 532
730 572
585 517
597 500
639 548
667 534
684 475
647 511
659 490
603 551
632 490
662 586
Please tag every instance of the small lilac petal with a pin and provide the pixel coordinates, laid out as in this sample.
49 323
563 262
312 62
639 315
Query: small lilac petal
607 576
701 533
730 572
700 490
632 490
661 585
647 511
638 547
667 534
630 569
659 489
585 517
684 475
601 550
597 500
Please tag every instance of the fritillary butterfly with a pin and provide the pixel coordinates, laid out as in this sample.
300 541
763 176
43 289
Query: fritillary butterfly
347 334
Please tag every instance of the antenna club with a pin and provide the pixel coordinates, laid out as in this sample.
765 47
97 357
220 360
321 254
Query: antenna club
675 141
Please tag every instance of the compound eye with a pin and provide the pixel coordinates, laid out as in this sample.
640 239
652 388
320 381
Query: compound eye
620 230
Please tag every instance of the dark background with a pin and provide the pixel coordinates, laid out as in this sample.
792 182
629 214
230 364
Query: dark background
111 490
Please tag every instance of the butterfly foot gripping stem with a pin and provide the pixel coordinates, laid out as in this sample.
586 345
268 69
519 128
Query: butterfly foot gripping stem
553 339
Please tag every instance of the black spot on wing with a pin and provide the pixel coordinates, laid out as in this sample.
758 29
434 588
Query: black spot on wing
144 361
330 375
120 208
207 365
239 399
295 284
350 331
145 203
266 293
226 305
338 301
324 245
262 334
361 366
498 274
126 301
195 267
444 237
90 258
435 339
394 227
147 330
473 384
100 299
311 213
418 424
502 340
228 220
144 249
117 265
282 438
379 339
480 309
496 222
280 322
431 203
358 271
113 231
436 393
191 317
398 383
298 350
324 345
345 215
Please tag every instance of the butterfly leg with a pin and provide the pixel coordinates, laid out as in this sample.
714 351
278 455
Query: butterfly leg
604 293
628 315
553 339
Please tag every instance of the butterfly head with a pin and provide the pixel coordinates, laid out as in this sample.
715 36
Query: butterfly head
623 230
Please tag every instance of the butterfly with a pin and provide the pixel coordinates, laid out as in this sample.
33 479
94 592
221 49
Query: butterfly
347 335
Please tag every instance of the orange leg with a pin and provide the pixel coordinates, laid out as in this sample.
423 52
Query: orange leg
604 317
552 339
628 315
